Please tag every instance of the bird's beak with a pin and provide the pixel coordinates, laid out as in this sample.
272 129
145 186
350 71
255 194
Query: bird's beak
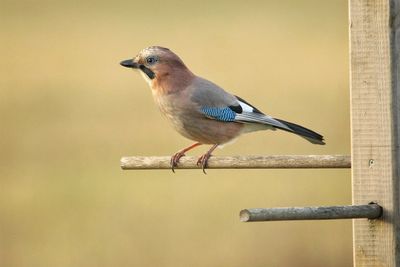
129 63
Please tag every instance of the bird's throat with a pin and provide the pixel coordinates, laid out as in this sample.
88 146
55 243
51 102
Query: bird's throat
148 72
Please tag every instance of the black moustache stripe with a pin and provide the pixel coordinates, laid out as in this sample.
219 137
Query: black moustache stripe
148 72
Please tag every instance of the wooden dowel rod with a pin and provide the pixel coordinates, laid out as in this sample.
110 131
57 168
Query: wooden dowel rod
240 162
370 211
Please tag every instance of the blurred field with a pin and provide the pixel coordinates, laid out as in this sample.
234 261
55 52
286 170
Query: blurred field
68 112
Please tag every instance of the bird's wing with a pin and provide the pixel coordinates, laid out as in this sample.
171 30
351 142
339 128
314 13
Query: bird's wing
215 103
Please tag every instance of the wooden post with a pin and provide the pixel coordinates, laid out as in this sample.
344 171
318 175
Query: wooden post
374 47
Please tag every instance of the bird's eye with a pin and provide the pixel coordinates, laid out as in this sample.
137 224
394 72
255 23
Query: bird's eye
151 60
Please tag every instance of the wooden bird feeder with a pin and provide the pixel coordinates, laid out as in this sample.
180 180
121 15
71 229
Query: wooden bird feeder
375 113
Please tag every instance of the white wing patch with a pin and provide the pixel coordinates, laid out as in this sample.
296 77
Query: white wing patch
245 107
250 109
249 115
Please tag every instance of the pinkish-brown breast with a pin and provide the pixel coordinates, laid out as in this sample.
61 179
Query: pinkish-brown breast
185 117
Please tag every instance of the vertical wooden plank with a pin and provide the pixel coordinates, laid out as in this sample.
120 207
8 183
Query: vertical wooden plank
374 128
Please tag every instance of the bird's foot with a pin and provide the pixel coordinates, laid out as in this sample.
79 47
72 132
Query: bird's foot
175 159
202 161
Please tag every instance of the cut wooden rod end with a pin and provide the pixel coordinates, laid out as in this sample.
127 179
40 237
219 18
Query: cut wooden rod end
244 215
369 211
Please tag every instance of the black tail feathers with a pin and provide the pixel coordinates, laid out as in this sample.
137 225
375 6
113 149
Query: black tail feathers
309 135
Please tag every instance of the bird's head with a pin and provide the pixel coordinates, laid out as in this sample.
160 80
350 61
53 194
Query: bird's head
158 64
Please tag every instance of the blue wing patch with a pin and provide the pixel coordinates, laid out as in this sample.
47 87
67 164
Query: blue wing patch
221 114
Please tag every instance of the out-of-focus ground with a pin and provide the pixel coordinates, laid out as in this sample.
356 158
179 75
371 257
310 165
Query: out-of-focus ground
68 112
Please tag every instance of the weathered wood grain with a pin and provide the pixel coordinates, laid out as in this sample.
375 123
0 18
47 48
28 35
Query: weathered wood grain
240 162
374 60
370 211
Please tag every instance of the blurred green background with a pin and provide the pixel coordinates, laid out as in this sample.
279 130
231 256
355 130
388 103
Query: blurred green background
68 112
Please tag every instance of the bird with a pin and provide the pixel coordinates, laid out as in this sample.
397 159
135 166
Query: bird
199 109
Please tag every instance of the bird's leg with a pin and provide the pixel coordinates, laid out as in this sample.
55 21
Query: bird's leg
202 161
175 158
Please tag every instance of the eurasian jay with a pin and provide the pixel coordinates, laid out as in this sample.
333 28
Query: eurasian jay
201 110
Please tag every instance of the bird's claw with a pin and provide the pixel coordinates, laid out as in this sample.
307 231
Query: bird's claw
175 160
202 161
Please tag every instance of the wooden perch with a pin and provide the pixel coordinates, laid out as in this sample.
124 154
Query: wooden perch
240 162
370 211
